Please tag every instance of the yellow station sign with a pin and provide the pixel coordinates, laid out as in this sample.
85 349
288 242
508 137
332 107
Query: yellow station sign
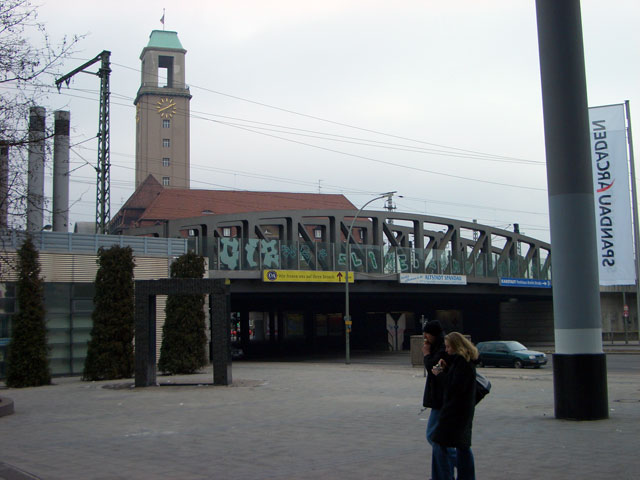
304 276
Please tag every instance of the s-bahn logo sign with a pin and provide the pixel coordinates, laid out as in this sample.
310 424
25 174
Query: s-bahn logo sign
611 195
310 276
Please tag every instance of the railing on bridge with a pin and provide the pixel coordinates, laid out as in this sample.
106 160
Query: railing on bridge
256 254
89 243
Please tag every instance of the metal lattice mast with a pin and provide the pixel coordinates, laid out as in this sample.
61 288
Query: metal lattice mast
103 187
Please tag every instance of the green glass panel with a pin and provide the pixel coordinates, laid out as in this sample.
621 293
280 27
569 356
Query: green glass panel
289 255
307 253
80 350
229 253
58 337
342 257
82 305
5 325
57 320
358 258
82 321
78 366
324 255
7 305
456 267
390 260
59 366
81 336
417 260
86 290
374 259
57 352
57 297
405 260
251 254
7 290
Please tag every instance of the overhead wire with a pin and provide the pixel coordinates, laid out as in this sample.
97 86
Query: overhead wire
333 137
334 188
463 153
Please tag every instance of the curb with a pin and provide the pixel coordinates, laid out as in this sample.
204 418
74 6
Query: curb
6 406
9 472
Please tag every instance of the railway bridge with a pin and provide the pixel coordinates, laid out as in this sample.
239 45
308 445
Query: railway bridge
287 273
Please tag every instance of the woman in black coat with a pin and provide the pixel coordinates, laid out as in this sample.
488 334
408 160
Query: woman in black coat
433 351
458 406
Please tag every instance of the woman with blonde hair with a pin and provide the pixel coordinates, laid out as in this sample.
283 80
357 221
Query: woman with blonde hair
456 415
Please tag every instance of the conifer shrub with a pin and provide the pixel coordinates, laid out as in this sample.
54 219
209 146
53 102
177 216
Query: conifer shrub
183 349
110 349
28 352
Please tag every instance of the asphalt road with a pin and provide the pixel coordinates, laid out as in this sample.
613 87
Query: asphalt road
623 363
617 363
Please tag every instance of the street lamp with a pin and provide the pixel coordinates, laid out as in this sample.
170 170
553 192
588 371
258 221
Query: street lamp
347 317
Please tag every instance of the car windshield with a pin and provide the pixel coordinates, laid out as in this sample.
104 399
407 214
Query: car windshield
515 346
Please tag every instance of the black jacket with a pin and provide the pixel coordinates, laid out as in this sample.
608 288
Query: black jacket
456 415
434 386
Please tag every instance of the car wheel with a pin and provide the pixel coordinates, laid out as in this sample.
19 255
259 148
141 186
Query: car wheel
517 364
536 366
480 364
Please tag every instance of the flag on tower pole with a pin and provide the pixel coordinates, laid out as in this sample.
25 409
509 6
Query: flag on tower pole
162 19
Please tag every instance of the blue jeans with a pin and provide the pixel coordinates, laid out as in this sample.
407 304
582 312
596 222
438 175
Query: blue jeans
442 467
432 423
434 416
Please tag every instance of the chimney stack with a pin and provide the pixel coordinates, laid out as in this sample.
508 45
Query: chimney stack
61 172
35 179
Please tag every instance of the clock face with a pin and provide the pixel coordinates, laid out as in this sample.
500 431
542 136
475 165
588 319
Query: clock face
166 107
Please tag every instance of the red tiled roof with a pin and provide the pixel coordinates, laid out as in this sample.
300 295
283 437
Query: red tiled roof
174 203
145 194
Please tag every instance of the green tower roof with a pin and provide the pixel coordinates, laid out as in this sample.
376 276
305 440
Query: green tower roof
164 39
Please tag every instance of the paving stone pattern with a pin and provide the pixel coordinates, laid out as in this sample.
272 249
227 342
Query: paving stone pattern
305 420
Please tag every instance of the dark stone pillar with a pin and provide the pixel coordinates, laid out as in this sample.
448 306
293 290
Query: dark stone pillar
145 324
221 340
145 336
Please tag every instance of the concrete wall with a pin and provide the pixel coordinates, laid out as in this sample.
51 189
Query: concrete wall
527 322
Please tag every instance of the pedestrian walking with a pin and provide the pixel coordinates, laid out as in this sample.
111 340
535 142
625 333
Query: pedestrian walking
454 426
433 351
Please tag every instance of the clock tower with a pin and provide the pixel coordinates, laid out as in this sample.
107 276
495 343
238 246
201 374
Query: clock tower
162 113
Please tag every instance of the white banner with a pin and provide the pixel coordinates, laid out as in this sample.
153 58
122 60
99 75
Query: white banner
429 278
611 195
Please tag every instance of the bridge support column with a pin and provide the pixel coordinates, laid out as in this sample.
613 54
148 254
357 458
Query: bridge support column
579 365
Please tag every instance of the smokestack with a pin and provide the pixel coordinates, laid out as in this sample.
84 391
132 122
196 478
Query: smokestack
35 182
4 185
61 172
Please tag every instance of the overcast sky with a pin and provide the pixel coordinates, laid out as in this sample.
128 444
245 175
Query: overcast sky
449 91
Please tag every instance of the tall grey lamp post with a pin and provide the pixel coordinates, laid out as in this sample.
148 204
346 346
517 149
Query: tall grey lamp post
347 317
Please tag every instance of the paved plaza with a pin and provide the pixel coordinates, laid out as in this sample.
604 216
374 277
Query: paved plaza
306 420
